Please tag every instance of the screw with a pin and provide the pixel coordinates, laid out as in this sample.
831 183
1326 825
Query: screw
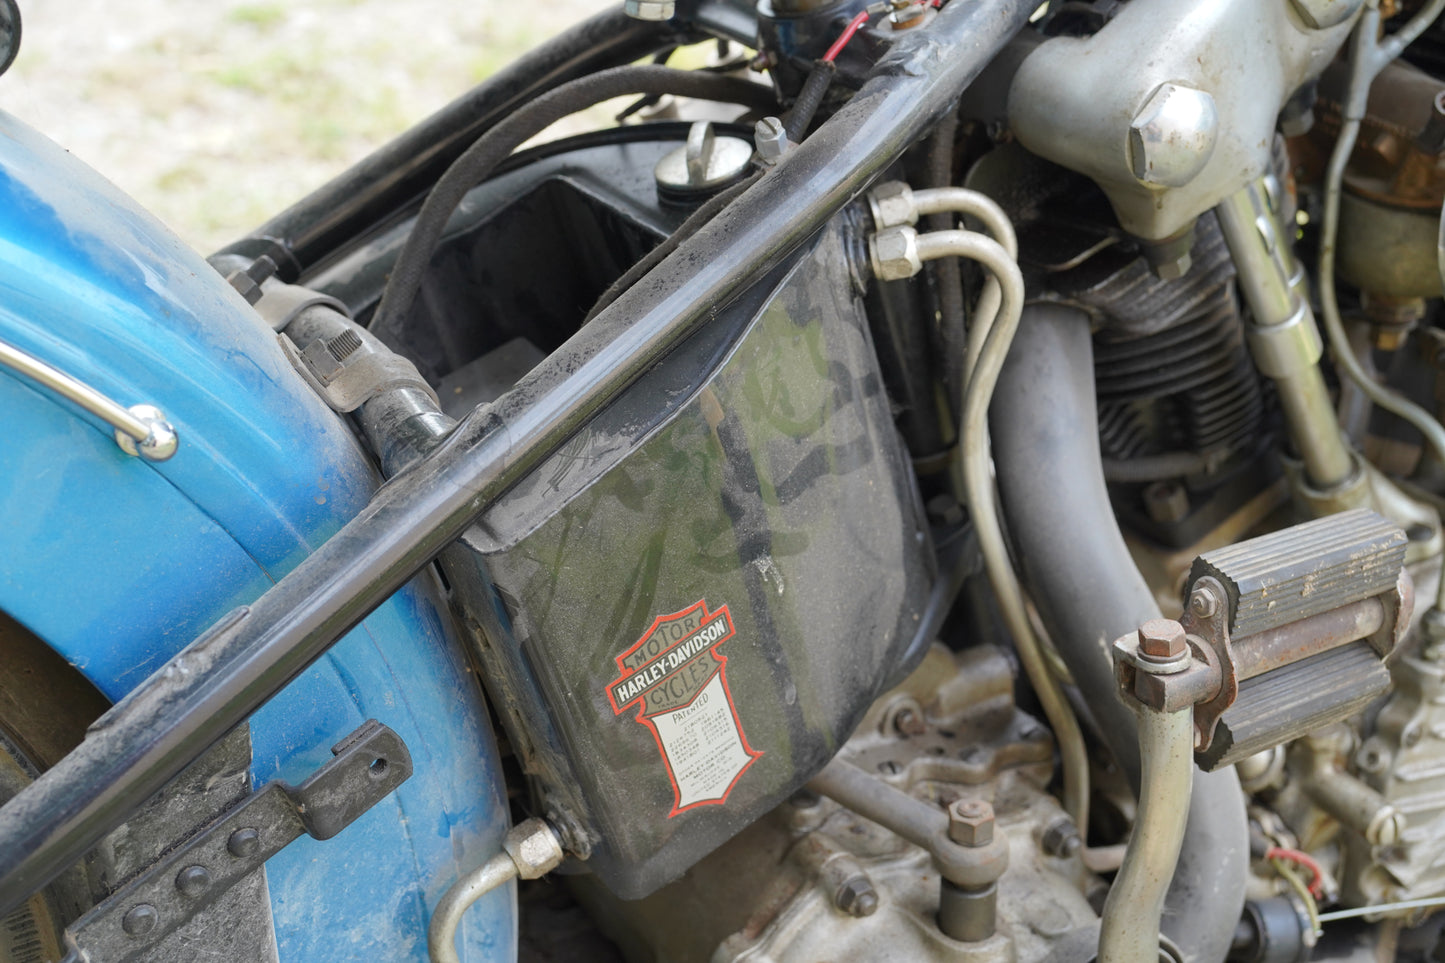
193 881
140 919
1162 640
970 822
243 843
857 897
1061 839
1203 604
771 138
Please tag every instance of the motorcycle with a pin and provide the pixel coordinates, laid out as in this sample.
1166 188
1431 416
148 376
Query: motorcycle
890 502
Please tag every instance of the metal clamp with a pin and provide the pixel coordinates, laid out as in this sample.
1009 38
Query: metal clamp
140 430
368 765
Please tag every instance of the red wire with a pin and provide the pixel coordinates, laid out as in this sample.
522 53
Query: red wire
845 36
1305 860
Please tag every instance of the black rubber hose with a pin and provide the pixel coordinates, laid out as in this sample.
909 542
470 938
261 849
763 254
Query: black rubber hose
493 147
810 98
948 271
1089 592
373 190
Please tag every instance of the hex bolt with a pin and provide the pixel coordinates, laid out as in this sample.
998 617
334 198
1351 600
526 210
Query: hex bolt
909 722
1061 839
140 919
1162 640
771 138
857 897
970 913
243 843
193 881
970 822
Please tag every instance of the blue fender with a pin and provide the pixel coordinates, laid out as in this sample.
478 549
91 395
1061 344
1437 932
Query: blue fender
117 563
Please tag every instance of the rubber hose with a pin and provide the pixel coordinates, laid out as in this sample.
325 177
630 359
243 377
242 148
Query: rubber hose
1089 592
493 147
948 272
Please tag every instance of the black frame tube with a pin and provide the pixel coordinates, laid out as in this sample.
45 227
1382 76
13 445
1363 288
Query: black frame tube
231 671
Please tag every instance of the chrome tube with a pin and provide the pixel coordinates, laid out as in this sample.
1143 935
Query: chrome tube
1284 339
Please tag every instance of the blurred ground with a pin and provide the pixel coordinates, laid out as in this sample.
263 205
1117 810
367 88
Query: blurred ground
216 115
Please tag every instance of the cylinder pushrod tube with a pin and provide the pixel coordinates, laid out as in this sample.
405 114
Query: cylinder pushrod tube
1284 340
174 715
1130 930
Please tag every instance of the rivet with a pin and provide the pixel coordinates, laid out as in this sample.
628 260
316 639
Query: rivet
140 919
243 843
193 881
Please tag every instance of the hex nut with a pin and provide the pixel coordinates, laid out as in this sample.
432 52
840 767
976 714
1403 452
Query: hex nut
857 897
650 9
1172 137
892 205
894 253
534 848
970 822
1162 640
1060 839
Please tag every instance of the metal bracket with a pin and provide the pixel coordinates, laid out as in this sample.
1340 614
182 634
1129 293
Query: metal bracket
368 765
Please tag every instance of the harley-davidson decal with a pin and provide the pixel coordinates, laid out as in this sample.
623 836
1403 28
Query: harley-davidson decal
677 678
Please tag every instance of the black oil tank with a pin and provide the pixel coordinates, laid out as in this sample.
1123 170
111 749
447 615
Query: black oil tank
684 613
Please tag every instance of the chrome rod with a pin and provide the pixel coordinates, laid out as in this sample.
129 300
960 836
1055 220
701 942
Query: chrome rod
140 430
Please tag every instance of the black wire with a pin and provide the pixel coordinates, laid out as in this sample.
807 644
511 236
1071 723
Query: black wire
492 148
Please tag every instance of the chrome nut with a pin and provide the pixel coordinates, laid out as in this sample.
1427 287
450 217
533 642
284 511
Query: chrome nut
534 848
892 205
1323 14
650 9
1172 136
894 253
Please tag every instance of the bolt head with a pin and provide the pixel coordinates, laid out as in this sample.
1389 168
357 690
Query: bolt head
1172 137
892 205
895 254
140 919
857 897
771 138
1061 839
1162 639
970 822
193 881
